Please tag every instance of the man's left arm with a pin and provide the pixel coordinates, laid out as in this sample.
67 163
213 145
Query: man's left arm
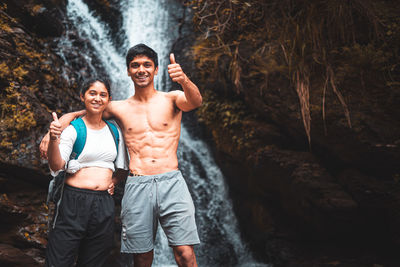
191 98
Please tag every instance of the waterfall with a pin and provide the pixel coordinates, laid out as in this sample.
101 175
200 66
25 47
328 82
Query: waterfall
93 29
152 22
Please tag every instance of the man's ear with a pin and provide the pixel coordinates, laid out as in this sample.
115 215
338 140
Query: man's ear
156 71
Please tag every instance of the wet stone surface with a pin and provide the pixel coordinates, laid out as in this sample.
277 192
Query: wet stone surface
23 221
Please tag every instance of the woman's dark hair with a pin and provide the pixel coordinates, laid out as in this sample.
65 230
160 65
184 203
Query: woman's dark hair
87 84
141 50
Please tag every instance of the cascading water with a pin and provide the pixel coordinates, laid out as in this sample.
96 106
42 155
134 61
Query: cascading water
151 22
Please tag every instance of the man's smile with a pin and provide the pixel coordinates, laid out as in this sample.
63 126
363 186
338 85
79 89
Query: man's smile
142 77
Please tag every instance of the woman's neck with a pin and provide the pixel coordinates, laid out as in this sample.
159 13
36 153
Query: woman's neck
94 121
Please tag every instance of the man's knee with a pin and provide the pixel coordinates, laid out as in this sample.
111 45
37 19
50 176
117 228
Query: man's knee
184 255
143 259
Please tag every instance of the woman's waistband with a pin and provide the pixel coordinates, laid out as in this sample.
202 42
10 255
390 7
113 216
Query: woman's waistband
86 191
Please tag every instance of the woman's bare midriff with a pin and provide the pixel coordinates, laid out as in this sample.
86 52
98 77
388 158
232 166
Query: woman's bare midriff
93 178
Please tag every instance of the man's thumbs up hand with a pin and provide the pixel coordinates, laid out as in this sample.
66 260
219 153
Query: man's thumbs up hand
55 127
175 71
172 58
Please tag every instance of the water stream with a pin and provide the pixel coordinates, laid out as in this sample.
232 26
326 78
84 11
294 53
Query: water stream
154 22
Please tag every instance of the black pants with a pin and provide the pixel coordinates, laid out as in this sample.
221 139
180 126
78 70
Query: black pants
84 230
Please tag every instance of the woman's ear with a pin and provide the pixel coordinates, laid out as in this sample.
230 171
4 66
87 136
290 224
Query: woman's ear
82 98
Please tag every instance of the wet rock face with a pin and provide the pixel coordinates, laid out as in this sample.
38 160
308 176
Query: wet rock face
31 87
293 211
35 80
23 220
44 18
335 202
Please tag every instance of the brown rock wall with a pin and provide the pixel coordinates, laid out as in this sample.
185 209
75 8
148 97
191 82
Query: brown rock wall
332 201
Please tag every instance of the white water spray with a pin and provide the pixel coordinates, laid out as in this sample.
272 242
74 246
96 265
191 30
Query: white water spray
92 29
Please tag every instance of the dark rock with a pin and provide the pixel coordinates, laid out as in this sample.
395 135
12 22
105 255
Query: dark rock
9 211
331 202
32 85
44 18
12 256
23 223
379 205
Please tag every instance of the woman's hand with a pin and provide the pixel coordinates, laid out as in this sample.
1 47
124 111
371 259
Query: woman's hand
58 126
110 189
55 128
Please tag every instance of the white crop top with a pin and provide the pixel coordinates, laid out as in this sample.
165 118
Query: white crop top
99 150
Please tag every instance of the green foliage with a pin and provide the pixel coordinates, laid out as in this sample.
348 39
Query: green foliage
17 115
228 117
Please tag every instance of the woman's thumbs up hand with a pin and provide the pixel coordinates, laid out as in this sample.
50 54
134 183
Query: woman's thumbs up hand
55 127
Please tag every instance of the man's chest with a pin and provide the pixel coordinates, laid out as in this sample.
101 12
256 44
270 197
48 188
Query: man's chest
156 117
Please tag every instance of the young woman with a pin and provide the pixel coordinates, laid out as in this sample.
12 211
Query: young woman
84 226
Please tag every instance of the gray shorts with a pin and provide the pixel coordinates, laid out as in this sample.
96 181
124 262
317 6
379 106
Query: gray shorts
150 199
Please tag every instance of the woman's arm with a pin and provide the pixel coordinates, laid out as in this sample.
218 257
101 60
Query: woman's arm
54 156
64 121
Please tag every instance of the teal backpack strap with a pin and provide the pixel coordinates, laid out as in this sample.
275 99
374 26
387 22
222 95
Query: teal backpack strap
80 141
114 132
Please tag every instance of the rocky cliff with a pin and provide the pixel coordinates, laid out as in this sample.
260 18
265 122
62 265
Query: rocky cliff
301 100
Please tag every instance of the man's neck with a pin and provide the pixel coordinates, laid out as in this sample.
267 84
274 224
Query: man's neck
143 94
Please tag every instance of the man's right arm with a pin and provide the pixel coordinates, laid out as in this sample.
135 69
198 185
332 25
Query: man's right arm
108 112
64 120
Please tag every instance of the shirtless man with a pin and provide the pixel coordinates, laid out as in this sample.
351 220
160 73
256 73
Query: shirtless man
155 190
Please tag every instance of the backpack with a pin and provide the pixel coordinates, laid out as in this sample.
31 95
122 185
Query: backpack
56 185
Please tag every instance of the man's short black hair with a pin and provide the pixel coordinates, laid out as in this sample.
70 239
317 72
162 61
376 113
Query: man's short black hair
141 50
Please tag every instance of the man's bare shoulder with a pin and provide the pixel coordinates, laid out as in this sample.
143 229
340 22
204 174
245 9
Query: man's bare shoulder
174 94
115 105
117 102
115 108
